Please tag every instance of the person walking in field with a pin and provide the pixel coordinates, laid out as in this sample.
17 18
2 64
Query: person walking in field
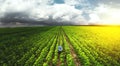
60 49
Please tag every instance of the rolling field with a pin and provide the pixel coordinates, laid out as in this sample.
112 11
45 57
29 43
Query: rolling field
82 46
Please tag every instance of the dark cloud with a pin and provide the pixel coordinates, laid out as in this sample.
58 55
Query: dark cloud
38 12
23 19
49 12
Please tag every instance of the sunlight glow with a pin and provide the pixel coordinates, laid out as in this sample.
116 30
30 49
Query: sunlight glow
105 16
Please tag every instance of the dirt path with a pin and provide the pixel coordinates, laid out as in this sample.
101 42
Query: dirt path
76 60
59 63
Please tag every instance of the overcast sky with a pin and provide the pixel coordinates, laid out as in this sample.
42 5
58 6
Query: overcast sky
56 12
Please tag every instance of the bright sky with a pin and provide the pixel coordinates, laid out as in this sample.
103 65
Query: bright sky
105 14
65 11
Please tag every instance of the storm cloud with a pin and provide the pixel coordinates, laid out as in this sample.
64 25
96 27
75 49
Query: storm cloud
50 12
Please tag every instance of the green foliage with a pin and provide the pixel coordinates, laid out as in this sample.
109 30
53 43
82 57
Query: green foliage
38 46
70 61
94 45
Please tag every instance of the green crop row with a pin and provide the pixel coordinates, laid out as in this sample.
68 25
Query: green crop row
92 46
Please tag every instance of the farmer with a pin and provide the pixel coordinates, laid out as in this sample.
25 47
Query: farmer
60 49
